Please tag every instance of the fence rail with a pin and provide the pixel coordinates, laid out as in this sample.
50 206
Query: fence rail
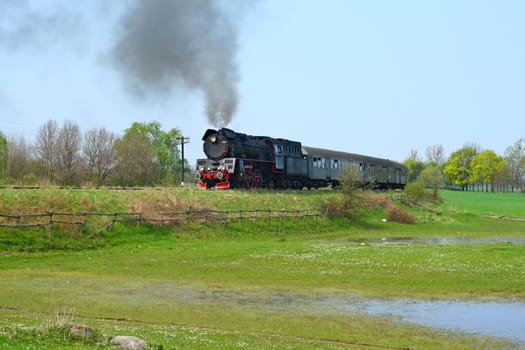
81 219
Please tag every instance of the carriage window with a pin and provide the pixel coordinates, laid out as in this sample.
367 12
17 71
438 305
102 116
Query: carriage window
319 163
335 164
372 170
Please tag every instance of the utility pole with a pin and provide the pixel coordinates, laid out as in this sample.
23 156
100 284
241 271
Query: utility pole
183 140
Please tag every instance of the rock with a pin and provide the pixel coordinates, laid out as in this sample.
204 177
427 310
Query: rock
128 342
81 330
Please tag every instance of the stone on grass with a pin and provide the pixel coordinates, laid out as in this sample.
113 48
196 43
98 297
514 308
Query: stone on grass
128 342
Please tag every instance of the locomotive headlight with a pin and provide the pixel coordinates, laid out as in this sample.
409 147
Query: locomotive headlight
201 168
213 138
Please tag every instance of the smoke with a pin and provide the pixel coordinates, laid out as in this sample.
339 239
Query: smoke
22 26
191 43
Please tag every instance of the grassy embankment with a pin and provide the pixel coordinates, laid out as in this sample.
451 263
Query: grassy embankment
251 284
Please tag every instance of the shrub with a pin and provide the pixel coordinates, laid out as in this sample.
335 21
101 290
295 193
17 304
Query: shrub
354 199
415 191
400 215
395 213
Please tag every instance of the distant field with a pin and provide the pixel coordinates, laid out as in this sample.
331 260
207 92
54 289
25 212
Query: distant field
263 284
485 203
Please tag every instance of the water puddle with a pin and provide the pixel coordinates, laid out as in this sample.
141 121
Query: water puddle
491 318
445 240
505 320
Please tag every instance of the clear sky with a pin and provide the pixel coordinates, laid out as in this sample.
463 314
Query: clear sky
375 77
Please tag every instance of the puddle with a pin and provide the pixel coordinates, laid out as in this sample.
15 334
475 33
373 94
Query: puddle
498 319
446 240
505 320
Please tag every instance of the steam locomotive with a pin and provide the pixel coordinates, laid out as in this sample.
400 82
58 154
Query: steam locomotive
236 160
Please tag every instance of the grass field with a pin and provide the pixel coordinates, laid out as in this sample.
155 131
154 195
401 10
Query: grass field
265 284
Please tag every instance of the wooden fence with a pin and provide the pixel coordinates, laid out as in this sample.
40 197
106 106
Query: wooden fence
106 220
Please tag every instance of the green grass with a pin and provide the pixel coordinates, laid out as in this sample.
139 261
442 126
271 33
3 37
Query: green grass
254 284
485 203
31 334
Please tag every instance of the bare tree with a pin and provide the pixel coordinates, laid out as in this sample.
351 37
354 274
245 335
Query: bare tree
19 155
68 153
436 154
46 148
99 154
414 155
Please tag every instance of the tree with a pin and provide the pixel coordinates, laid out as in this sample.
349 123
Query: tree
166 149
415 167
432 176
485 165
458 169
503 178
3 156
515 157
46 148
19 157
68 153
435 154
99 153
414 155
135 157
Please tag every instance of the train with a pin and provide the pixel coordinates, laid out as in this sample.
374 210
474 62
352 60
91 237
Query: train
237 160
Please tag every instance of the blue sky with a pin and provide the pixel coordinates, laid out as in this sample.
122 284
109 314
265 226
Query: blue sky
380 78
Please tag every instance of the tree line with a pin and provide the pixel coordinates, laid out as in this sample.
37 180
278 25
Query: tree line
145 155
470 168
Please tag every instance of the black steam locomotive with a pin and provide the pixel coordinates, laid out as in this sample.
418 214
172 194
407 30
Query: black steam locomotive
238 160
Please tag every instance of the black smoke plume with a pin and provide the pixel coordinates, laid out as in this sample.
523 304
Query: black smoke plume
22 26
168 43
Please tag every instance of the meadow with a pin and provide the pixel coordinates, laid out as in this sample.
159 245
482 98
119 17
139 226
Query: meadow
264 284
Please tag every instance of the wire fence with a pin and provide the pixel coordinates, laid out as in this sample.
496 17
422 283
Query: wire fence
105 221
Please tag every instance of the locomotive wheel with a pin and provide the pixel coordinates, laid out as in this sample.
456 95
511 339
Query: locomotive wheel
272 185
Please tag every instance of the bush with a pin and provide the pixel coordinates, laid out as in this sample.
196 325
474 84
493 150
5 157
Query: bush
395 213
354 199
400 215
415 191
